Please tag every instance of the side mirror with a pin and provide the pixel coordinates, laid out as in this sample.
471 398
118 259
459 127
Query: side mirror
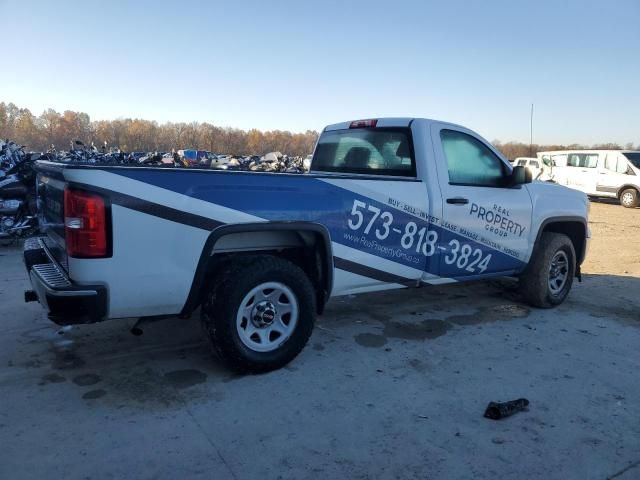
520 175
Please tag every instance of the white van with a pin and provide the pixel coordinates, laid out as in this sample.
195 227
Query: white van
598 173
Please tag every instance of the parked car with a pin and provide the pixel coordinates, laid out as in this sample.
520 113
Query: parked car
598 173
389 203
191 156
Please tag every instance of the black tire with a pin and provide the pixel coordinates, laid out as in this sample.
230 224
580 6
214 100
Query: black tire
629 198
223 301
534 282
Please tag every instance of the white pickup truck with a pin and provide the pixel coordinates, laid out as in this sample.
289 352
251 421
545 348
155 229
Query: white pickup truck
389 203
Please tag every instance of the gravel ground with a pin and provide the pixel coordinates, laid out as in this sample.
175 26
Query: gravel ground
615 248
391 385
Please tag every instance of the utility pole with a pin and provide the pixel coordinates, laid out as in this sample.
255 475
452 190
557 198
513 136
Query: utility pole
531 133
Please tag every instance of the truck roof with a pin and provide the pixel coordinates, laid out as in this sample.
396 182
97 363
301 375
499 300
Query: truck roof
388 122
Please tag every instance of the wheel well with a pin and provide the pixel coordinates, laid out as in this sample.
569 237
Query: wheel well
308 246
627 187
575 230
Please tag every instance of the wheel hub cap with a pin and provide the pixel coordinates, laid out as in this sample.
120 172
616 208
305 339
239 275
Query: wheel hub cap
267 316
558 272
263 314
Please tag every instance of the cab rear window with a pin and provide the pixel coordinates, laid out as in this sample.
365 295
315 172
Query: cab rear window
368 151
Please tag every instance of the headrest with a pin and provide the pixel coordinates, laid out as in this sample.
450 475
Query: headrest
357 157
403 150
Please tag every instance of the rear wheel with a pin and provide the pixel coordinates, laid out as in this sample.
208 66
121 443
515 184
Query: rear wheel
629 198
549 276
259 313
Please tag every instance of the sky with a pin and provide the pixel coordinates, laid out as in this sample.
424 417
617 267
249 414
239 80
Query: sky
298 65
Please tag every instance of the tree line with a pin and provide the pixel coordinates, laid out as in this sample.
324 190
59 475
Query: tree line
59 129
38 133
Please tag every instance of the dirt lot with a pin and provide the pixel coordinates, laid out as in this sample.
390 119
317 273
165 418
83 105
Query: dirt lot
615 248
391 386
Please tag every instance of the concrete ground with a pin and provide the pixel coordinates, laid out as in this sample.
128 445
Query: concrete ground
391 385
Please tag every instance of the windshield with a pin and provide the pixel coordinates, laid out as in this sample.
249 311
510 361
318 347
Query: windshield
633 157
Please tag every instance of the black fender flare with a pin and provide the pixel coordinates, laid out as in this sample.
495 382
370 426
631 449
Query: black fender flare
566 219
200 277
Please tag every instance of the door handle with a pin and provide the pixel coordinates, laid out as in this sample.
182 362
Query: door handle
457 201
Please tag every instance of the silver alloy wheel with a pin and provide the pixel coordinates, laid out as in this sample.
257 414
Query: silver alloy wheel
267 316
627 198
558 272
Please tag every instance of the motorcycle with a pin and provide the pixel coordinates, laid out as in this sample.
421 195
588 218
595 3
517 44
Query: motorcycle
10 155
18 207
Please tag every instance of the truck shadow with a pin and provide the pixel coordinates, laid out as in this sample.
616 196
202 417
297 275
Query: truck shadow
611 297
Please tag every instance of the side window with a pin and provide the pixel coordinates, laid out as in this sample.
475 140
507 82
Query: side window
618 164
522 163
615 164
534 164
470 162
583 160
610 162
573 160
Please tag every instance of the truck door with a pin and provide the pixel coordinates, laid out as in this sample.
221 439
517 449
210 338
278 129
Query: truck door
486 224
592 164
556 165
583 170
612 175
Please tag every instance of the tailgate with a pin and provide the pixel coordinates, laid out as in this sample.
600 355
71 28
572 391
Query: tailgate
50 191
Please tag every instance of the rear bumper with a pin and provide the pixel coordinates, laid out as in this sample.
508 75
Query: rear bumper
66 302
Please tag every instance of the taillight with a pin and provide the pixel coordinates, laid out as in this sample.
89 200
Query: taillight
85 224
363 123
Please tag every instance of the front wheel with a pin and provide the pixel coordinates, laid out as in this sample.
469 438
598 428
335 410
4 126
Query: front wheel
548 278
629 198
259 313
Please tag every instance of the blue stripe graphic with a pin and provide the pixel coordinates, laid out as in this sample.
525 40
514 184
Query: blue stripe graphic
281 197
